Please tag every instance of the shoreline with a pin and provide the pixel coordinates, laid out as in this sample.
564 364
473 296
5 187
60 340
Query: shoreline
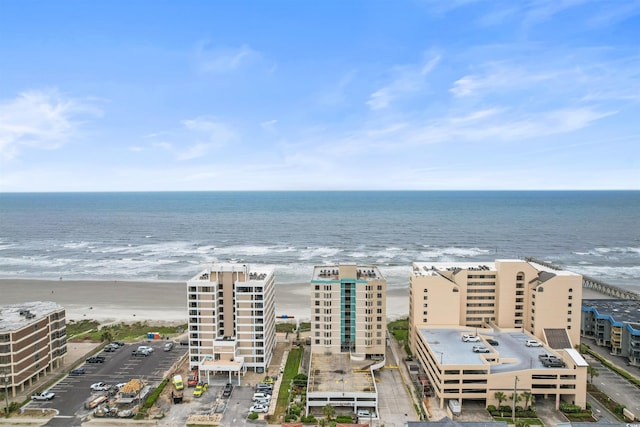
117 301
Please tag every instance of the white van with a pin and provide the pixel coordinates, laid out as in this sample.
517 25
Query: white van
454 405
533 343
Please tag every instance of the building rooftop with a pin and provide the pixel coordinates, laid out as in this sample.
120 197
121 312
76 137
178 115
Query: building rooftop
16 316
621 310
431 268
332 272
557 338
258 274
337 373
511 354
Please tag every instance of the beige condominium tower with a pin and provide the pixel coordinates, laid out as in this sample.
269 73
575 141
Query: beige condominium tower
348 324
231 319
482 328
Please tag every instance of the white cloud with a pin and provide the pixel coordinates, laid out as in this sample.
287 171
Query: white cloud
224 60
269 125
40 119
209 133
408 79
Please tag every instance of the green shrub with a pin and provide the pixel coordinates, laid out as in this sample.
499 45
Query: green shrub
309 420
156 393
344 419
569 408
491 408
290 417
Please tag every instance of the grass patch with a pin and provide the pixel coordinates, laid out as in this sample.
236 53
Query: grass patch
287 327
83 327
88 330
290 371
304 326
400 331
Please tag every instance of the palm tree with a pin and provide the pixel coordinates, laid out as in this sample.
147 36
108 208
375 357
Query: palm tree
500 397
106 336
328 411
593 372
528 398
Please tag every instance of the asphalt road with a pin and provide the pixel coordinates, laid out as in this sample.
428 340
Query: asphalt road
120 366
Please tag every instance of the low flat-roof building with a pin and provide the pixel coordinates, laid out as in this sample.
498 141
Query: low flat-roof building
614 324
457 371
231 319
33 341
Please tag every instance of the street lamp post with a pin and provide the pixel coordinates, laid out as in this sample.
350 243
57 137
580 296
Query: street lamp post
441 354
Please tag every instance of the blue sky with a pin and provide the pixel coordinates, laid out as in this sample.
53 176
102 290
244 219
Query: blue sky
319 95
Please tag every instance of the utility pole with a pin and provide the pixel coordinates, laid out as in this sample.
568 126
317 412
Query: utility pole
515 388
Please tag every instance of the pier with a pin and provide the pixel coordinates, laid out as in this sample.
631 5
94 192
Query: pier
595 284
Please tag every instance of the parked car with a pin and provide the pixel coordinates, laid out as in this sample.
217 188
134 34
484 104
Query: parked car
77 371
139 353
96 359
533 343
118 343
192 382
145 348
228 388
480 349
101 386
200 388
46 395
168 346
261 396
492 341
260 409
470 338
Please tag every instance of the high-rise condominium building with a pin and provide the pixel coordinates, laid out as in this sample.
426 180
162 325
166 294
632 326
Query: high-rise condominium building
348 310
479 330
505 293
348 324
33 341
231 319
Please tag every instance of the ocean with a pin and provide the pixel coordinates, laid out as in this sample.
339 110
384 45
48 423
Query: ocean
171 236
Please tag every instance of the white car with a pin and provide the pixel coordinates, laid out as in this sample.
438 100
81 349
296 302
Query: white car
120 385
533 343
260 409
470 338
480 349
99 386
145 348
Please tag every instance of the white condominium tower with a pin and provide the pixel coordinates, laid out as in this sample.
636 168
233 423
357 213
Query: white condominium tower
231 319
348 310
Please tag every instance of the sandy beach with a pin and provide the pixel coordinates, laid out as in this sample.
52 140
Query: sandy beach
161 302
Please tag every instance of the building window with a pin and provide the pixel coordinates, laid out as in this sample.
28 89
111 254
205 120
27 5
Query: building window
425 290
540 289
570 289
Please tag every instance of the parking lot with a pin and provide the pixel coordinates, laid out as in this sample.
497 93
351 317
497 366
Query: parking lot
119 367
